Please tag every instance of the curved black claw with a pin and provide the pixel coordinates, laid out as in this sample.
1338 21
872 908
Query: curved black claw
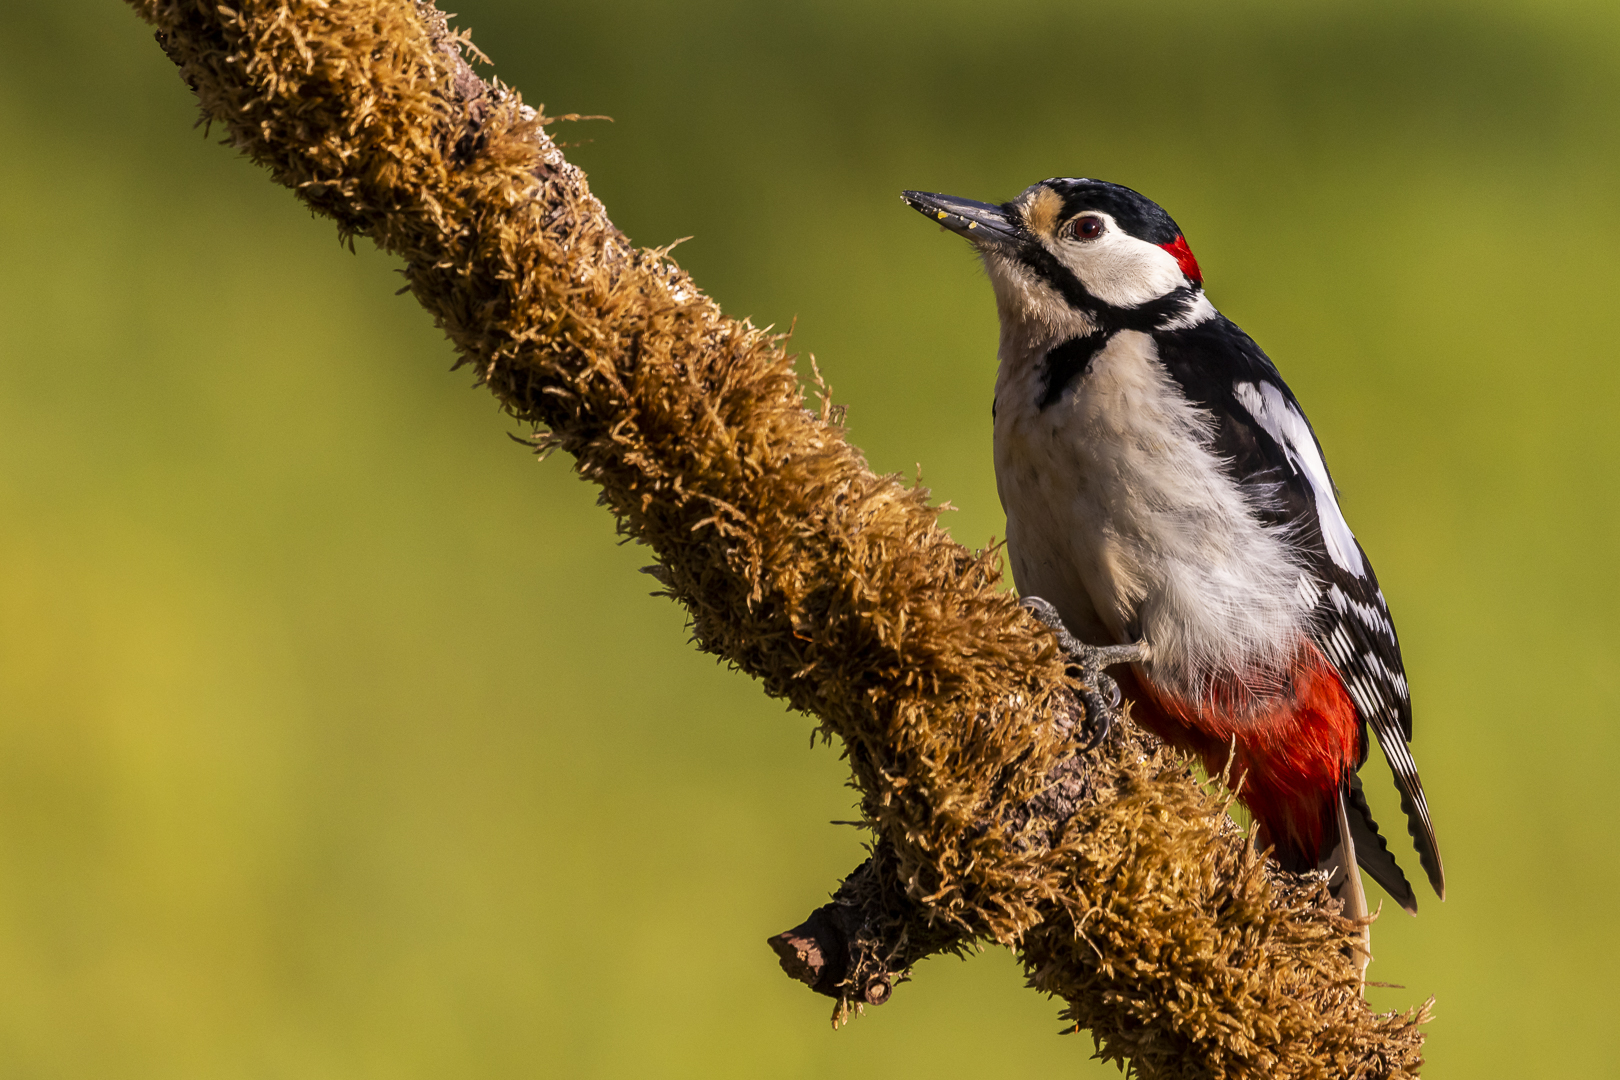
1090 660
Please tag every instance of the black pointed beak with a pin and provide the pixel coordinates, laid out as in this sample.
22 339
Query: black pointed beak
983 223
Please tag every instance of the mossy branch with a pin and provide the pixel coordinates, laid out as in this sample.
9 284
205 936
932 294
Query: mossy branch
1117 878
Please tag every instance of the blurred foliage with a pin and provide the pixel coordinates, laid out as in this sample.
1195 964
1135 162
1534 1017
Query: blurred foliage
339 739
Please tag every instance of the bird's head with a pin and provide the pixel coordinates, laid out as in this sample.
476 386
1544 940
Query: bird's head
1076 254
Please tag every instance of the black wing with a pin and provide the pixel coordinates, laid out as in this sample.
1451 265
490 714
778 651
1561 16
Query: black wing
1275 458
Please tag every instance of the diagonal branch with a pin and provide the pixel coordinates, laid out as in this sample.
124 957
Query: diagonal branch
1115 876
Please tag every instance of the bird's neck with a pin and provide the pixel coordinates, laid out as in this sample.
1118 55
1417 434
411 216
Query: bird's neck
1027 336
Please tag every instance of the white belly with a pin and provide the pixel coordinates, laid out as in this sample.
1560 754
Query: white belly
1121 515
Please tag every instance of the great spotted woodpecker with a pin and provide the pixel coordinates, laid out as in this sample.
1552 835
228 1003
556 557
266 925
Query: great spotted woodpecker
1166 495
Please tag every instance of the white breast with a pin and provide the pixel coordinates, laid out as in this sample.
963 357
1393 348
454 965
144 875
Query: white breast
1120 514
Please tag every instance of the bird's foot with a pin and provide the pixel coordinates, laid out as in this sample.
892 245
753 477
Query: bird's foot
1099 693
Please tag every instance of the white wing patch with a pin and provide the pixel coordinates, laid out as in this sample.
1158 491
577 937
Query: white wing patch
1310 593
1287 425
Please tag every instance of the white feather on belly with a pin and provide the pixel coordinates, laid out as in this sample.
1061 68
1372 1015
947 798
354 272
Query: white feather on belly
1119 512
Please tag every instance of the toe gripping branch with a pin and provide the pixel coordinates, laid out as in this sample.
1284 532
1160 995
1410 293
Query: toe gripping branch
859 946
1087 663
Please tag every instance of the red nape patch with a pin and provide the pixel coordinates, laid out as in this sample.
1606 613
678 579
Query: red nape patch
1291 758
1184 259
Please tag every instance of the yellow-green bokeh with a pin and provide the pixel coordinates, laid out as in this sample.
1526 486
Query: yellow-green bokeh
340 739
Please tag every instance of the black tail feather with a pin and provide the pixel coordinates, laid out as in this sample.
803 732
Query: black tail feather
1372 852
1412 802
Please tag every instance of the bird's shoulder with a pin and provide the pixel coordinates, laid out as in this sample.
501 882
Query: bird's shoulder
1222 371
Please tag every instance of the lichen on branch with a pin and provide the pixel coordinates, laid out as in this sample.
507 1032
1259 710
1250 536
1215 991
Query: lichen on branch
1116 876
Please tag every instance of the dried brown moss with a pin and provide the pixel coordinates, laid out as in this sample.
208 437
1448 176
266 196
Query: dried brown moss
1144 910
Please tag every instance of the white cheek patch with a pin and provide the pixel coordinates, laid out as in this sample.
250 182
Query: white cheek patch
1285 423
1119 269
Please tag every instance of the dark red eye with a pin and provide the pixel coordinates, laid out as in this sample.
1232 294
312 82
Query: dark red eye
1086 227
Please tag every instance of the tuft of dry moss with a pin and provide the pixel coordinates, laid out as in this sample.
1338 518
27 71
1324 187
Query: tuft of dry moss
1138 904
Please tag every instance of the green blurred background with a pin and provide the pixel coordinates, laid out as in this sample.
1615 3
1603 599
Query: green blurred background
340 739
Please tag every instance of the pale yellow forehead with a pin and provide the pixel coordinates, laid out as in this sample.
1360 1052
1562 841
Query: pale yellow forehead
1041 208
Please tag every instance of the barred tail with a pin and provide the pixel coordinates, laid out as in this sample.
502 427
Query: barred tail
1393 741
